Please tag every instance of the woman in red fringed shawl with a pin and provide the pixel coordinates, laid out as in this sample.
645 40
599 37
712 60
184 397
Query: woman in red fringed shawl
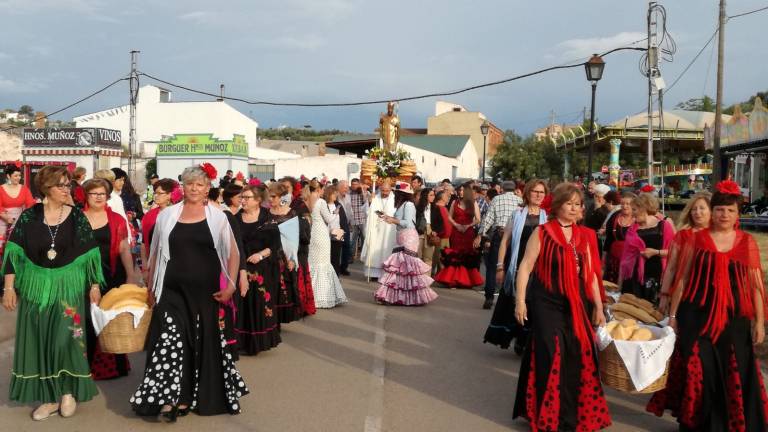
717 309
645 250
111 234
559 288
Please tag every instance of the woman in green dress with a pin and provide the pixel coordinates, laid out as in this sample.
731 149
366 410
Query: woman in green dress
51 267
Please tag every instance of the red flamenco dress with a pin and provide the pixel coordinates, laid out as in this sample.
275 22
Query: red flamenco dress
714 381
461 262
559 386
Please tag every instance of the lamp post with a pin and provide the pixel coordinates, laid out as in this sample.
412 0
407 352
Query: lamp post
594 68
484 130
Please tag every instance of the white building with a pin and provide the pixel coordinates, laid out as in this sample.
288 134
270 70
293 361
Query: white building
437 157
158 117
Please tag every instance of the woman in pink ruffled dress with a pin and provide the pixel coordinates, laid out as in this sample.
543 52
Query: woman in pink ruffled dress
406 278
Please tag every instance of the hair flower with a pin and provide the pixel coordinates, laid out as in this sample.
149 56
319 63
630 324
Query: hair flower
254 182
728 187
177 194
210 170
647 189
546 204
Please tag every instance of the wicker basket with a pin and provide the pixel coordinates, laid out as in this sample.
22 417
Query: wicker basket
120 337
614 374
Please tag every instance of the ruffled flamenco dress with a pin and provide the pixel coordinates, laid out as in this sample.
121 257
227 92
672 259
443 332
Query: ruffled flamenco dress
461 262
559 386
405 280
714 381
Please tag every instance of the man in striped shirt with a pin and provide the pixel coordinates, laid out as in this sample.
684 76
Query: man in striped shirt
492 229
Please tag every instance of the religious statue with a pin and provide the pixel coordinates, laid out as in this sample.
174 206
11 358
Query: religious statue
389 128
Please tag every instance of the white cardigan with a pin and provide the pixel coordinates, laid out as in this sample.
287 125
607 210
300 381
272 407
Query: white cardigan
160 250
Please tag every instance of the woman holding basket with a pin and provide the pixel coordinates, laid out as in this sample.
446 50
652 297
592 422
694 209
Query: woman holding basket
109 230
559 290
718 310
51 266
188 365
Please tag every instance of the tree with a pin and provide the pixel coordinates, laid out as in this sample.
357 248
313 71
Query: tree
27 111
150 169
525 158
705 103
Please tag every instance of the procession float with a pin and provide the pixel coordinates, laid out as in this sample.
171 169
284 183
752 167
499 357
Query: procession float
388 161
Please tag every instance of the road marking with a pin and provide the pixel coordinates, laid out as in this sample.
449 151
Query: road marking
378 369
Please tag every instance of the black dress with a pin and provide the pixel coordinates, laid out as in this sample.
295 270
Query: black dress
187 358
257 326
104 365
559 385
504 327
306 293
649 289
288 305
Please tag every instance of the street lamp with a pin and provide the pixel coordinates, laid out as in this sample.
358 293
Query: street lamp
484 130
594 68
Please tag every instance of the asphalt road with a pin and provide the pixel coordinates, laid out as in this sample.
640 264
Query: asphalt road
360 367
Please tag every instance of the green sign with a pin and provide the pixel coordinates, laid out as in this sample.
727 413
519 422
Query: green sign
202 144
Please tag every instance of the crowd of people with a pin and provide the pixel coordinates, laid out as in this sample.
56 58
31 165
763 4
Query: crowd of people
231 261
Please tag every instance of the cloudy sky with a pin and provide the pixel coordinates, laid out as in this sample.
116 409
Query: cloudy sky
53 52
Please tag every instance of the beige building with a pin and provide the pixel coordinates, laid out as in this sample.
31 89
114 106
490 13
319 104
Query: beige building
10 146
453 119
552 132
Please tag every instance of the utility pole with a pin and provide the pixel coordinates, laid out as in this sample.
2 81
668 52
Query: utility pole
134 96
653 59
717 164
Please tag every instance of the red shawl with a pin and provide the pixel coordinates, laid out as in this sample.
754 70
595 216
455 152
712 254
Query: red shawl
118 231
701 252
554 247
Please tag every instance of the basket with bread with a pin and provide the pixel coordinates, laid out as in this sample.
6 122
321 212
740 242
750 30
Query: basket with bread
122 319
634 349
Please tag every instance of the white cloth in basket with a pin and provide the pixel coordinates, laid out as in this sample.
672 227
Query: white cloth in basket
645 361
101 317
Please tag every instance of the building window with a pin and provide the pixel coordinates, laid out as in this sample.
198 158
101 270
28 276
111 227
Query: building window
165 96
422 159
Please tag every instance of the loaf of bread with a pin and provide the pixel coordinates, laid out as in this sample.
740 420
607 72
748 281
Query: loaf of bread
610 326
634 312
636 301
127 295
641 334
610 286
622 333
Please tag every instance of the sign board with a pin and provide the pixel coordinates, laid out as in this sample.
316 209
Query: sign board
72 137
741 129
202 144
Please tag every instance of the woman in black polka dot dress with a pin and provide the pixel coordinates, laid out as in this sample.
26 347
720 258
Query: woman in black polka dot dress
188 366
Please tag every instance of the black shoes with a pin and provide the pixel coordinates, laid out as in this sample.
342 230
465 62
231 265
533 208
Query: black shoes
488 303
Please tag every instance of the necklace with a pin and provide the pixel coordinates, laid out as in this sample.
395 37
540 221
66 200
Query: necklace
52 251
564 226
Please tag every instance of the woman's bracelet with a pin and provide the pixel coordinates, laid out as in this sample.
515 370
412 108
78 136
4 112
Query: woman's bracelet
8 289
673 317
499 265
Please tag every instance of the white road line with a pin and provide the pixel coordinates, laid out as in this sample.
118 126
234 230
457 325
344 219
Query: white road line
378 368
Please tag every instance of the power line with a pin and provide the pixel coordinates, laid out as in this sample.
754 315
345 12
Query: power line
68 106
764 8
380 101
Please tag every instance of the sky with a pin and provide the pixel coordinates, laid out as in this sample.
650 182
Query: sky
54 52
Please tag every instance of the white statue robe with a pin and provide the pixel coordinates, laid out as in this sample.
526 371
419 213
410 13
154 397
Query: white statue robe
380 237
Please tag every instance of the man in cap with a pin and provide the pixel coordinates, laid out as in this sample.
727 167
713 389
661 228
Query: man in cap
492 229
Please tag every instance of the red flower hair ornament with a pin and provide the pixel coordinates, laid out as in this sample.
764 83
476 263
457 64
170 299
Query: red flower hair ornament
254 182
240 176
177 194
546 204
210 170
728 187
647 189
18 164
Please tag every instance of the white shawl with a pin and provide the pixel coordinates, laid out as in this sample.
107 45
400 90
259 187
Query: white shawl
518 223
160 250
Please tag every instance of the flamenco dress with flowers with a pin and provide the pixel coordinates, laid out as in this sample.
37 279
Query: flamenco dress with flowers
559 386
50 358
405 280
714 381
257 326
287 303
461 261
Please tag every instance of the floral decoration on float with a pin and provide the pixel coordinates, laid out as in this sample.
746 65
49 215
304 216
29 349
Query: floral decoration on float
379 164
